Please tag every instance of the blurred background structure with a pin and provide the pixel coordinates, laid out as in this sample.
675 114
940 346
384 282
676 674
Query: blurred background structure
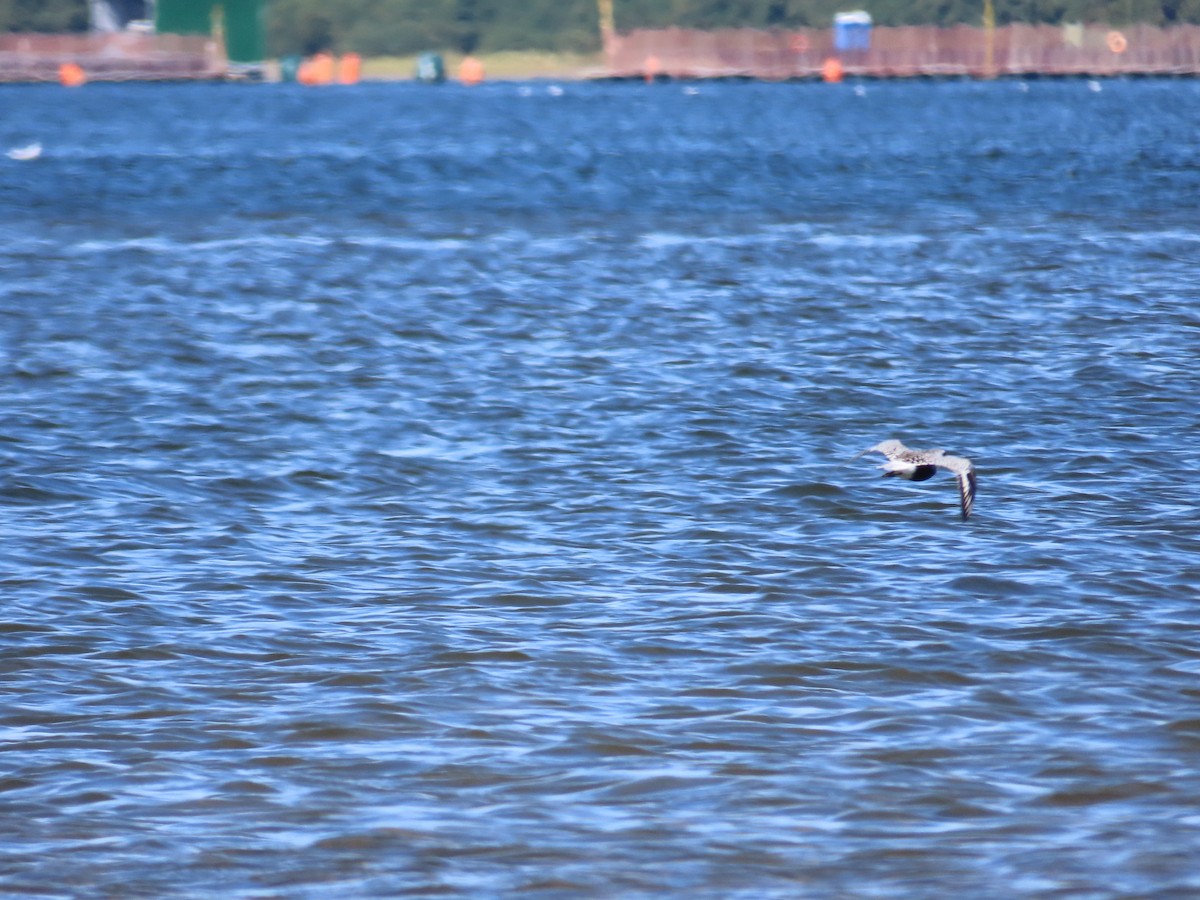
772 39
240 23
911 51
119 40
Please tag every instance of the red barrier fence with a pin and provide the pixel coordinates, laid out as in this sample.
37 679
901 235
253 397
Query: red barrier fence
906 52
109 57
913 51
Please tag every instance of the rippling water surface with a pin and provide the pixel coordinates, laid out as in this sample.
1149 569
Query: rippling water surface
435 491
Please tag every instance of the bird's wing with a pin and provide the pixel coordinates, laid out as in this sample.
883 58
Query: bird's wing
887 448
892 449
959 465
964 471
966 492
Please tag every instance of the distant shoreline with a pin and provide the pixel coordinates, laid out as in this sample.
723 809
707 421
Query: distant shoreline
1010 51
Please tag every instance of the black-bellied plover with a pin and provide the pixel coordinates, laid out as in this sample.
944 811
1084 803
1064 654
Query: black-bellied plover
920 465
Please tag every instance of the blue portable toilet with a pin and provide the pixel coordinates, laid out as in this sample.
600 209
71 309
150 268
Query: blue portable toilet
852 30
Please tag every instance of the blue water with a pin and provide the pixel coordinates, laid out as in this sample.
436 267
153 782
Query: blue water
417 491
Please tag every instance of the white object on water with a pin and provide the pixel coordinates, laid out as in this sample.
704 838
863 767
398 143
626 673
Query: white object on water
920 465
30 151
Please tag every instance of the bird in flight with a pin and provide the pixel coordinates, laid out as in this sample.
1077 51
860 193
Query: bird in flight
920 465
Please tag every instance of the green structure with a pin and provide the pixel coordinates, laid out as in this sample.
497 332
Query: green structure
241 21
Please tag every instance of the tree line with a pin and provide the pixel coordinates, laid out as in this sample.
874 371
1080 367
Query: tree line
398 27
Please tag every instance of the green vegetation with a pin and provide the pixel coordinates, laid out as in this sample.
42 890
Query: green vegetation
400 27
397 27
43 15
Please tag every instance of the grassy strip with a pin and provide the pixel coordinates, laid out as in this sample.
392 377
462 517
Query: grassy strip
506 66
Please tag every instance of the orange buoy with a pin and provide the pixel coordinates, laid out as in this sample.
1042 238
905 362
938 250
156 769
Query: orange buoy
1116 42
470 70
831 72
651 68
349 68
316 70
322 68
72 75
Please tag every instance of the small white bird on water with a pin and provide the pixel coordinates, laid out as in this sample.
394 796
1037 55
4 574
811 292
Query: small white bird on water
26 153
920 465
